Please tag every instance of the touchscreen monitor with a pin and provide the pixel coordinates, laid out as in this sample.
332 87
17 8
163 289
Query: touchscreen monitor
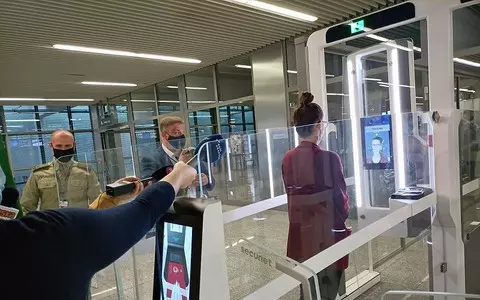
377 142
176 261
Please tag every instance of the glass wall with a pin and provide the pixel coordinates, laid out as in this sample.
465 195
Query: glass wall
237 118
167 96
143 103
466 45
234 78
202 123
115 111
291 64
29 129
199 87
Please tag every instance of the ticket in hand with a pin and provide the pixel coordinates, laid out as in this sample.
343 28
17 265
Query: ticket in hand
8 213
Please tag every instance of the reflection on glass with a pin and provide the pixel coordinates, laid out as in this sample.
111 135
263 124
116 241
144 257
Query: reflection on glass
167 95
21 118
53 117
26 150
467 87
115 112
199 87
147 132
118 155
143 103
202 123
84 143
237 118
81 117
234 78
291 64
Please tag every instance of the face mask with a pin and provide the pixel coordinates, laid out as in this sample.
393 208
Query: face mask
63 155
177 142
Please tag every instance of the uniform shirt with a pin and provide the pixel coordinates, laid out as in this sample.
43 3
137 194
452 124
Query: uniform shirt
53 254
49 183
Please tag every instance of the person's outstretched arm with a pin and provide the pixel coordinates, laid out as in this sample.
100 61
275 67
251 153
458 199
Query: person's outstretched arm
102 236
86 241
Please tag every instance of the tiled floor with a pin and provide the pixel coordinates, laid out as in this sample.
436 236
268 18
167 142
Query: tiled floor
268 230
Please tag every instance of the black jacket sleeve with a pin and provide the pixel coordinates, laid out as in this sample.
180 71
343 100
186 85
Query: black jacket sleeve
92 239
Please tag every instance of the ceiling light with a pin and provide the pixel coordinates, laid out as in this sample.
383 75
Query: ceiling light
139 100
26 120
466 62
377 37
45 99
292 72
200 102
188 87
391 84
337 94
467 91
169 101
125 53
329 75
108 83
277 10
391 43
243 66
371 79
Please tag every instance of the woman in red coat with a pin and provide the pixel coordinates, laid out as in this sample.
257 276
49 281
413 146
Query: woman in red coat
317 197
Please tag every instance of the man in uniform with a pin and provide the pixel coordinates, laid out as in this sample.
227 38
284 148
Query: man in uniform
62 182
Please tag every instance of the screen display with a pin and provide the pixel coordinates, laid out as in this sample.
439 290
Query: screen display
176 262
373 21
377 142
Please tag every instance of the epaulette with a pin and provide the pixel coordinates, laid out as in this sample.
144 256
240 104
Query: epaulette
40 167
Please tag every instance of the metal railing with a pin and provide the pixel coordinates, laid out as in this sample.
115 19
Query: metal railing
424 293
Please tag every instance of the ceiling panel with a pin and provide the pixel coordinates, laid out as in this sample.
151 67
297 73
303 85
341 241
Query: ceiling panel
209 30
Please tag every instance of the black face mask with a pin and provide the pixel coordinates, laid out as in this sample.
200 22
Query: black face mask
63 155
177 142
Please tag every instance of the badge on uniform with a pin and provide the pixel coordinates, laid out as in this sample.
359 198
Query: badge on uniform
63 203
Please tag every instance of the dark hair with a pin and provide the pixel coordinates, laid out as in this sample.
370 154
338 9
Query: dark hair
307 114
378 139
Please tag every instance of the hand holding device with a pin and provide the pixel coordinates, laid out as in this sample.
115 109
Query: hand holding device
181 176
125 189
204 179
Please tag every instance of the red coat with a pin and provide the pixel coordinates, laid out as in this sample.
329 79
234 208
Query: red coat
317 200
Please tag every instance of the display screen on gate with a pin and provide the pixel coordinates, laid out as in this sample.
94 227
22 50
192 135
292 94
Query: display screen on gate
176 255
373 21
377 142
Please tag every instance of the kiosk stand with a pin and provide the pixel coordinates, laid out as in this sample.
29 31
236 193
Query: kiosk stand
380 140
190 261
450 249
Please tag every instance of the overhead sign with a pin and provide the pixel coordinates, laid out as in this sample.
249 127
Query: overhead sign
358 26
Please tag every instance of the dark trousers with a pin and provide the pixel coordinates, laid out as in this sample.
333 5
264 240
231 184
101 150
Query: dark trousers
329 281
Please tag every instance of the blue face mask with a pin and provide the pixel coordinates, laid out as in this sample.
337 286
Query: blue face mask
177 142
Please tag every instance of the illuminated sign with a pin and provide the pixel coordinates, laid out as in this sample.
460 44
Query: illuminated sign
358 26
373 21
